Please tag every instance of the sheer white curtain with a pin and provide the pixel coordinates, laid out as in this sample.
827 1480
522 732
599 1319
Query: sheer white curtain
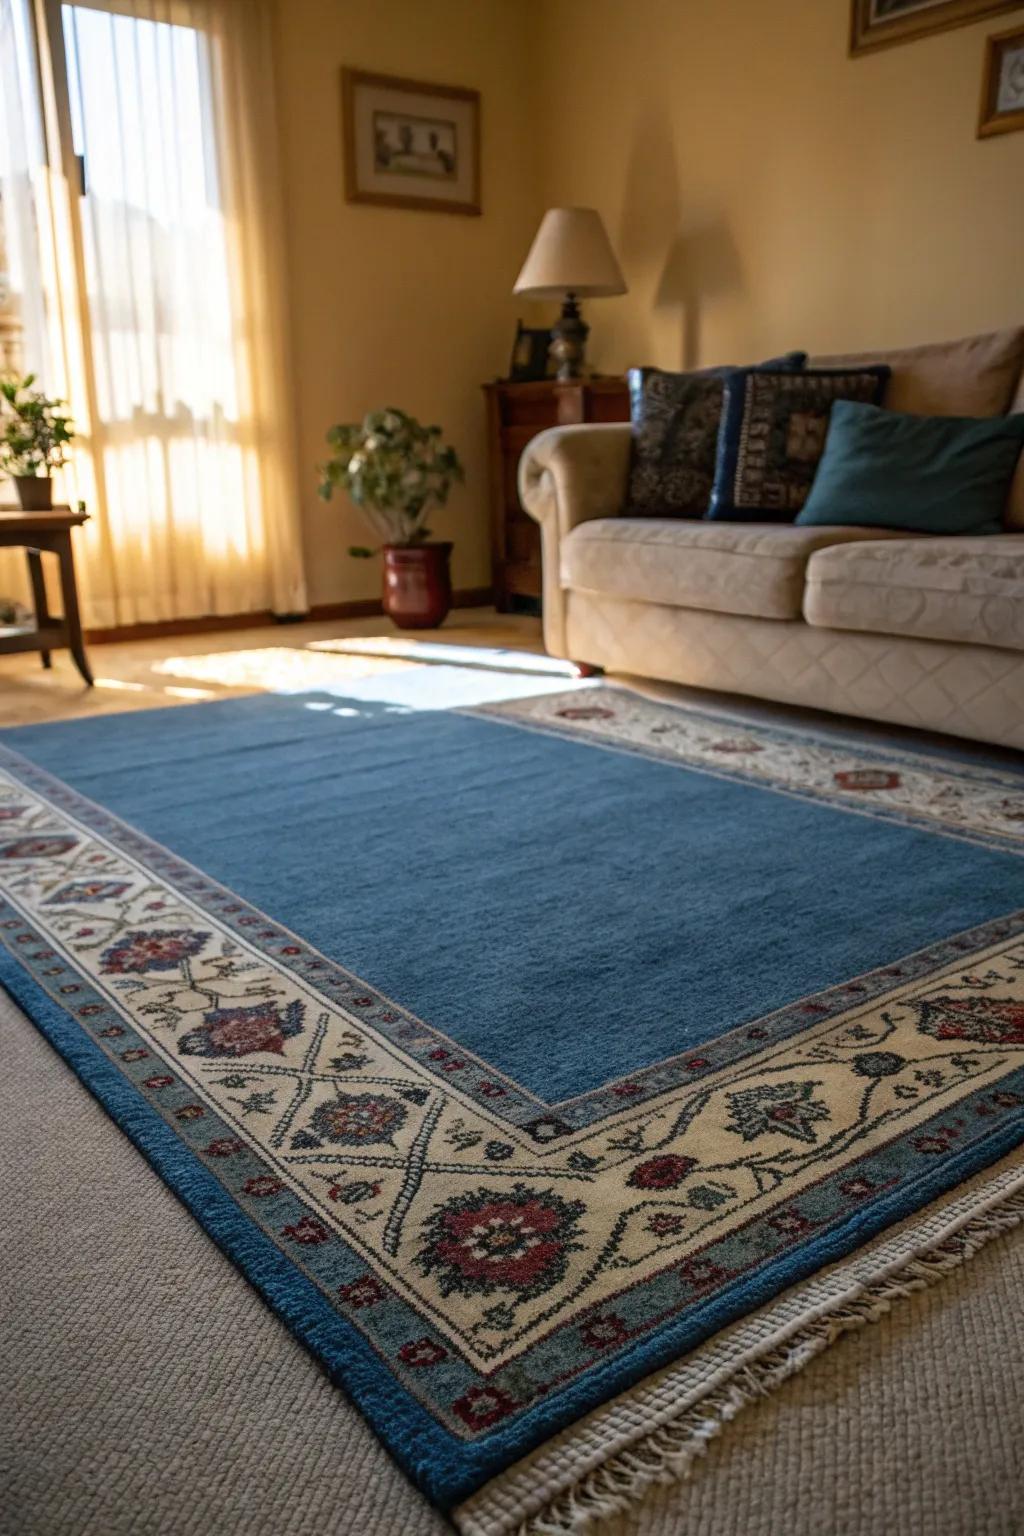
163 208
22 158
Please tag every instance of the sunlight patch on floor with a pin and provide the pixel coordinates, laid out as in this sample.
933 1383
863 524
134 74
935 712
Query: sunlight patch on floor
397 681
274 668
487 658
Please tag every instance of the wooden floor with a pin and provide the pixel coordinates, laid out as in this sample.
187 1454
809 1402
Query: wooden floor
188 669
149 674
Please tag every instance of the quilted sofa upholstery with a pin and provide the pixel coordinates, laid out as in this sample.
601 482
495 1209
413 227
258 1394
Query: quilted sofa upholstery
969 590
753 568
912 630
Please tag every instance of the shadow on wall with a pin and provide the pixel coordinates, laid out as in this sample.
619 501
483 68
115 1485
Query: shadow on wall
687 257
702 265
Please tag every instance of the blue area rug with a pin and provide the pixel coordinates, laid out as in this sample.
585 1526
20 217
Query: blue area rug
513 1052
508 886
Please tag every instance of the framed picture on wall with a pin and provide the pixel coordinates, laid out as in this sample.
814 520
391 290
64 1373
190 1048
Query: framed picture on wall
879 23
410 144
1002 87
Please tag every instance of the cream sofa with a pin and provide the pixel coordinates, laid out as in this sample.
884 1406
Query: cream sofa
916 630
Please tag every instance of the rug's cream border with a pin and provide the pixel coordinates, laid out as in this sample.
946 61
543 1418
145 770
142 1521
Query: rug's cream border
652 1434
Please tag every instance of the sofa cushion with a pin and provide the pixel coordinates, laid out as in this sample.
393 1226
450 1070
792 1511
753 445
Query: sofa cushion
772 436
972 377
750 568
967 589
675 419
927 474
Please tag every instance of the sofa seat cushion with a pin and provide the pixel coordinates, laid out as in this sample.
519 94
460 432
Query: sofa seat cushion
749 568
967 589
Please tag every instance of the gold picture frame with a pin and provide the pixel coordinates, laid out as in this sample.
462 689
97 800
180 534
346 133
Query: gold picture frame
883 23
410 143
1002 85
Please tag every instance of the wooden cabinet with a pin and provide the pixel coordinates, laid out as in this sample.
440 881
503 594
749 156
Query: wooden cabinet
515 414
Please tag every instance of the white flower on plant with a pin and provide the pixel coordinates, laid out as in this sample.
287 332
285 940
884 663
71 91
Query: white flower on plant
394 469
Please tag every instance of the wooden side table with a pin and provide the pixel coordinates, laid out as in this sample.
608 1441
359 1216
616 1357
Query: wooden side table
515 414
39 533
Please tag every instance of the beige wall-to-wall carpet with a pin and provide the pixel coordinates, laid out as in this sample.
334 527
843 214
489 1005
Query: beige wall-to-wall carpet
145 1390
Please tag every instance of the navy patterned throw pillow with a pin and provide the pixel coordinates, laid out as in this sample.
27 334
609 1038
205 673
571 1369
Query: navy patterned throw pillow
772 436
675 419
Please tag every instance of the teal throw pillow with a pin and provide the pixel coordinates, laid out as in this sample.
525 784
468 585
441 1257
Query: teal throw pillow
925 474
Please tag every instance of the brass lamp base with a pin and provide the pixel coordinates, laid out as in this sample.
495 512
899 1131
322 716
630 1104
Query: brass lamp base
569 340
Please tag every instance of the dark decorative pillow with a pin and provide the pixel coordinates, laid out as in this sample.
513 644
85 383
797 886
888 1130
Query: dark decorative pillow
675 419
773 434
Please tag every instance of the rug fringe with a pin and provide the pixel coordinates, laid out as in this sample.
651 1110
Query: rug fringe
668 1453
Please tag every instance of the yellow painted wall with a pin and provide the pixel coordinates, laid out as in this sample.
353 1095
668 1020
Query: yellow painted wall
765 191
391 307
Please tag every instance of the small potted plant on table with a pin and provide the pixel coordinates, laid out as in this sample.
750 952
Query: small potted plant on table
34 436
395 471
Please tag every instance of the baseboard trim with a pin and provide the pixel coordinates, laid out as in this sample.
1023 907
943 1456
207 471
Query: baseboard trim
207 624
365 608
369 608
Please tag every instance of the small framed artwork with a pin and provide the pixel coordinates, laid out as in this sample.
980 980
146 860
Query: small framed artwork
529 354
410 144
1002 87
879 23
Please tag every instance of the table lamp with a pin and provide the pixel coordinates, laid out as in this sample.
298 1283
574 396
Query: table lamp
571 258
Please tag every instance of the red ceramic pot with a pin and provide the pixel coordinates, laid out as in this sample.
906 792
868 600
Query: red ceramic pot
417 584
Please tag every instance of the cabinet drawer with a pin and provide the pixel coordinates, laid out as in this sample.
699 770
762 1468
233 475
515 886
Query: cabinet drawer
515 439
608 407
522 540
536 411
522 579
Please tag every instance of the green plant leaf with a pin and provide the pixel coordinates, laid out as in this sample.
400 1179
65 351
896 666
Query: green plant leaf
34 428
394 469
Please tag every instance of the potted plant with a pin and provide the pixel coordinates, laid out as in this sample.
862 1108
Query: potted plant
34 435
395 471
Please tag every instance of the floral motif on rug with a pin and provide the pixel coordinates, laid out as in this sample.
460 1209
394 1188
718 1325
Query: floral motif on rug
480 1267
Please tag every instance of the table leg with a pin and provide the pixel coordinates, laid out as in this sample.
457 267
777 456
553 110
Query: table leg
43 620
72 617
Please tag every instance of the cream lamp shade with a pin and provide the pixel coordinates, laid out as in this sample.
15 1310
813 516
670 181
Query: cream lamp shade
571 253
571 258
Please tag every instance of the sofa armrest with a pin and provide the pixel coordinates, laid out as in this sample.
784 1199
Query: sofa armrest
567 476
